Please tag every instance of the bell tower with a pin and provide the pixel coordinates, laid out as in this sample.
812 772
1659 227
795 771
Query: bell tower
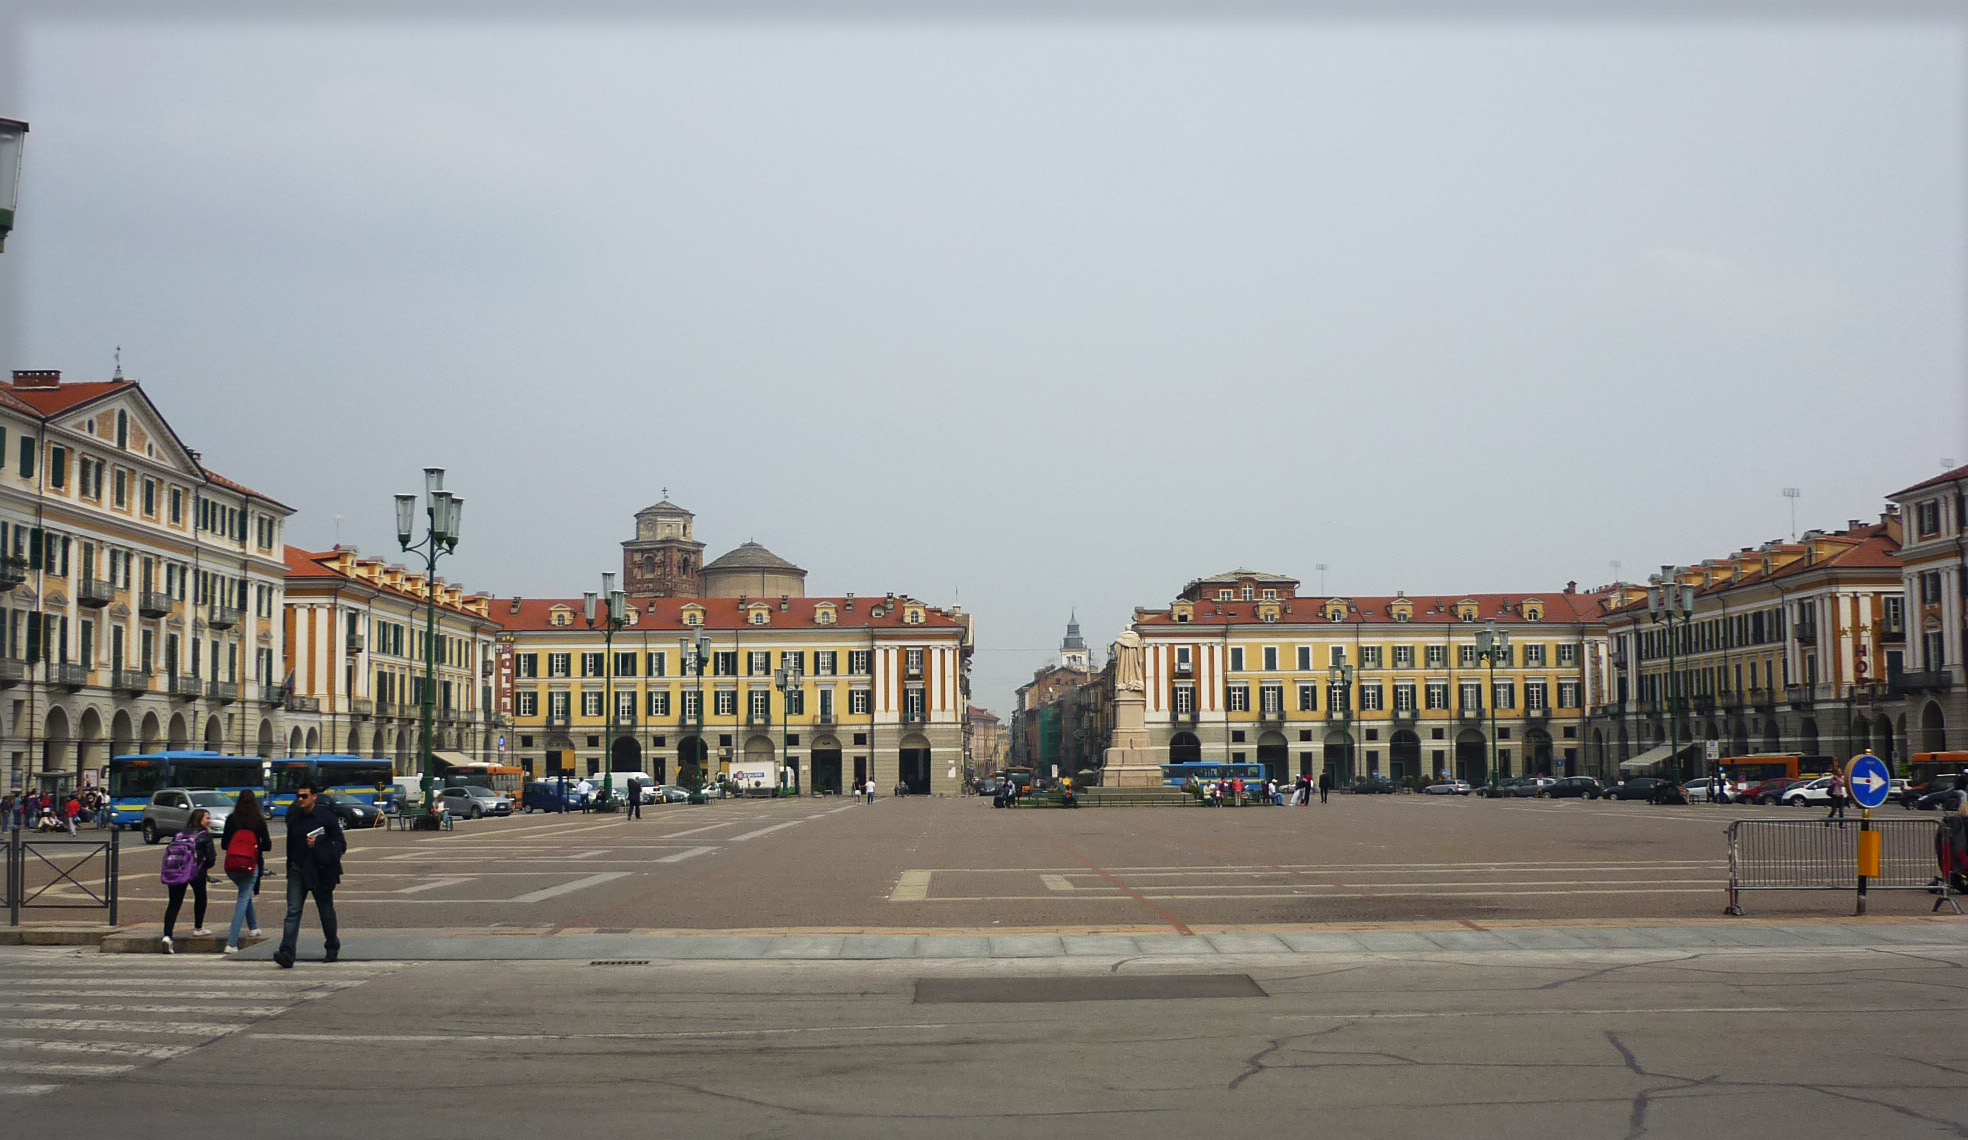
664 559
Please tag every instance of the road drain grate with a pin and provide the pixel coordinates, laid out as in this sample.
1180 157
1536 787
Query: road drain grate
621 962
1112 987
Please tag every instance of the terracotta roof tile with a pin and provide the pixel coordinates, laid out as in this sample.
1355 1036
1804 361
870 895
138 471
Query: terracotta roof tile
1944 477
54 401
1504 609
665 615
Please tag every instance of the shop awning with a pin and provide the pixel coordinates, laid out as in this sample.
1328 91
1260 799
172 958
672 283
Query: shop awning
1653 757
452 759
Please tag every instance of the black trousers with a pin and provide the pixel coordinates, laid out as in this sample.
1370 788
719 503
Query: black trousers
324 909
635 807
177 900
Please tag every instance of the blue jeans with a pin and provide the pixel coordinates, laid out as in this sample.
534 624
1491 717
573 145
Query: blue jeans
242 907
324 908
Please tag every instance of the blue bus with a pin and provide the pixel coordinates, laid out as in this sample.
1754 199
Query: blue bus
1176 775
356 778
133 778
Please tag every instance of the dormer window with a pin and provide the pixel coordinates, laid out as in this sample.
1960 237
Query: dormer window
824 615
1267 613
1466 610
759 616
1533 610
1182 612
560 616
693 614
1250 593
913 615
1270 595
1336 610
1223 595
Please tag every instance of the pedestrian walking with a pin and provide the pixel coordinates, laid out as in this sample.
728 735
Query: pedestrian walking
186 861
1325 784
245 842
1837 793
869 788
585 790
71 813
635 800
315 844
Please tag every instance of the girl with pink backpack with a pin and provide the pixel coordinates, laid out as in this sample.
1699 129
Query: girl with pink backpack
186 861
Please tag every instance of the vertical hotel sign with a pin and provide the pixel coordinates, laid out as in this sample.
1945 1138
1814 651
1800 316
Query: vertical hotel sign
505 689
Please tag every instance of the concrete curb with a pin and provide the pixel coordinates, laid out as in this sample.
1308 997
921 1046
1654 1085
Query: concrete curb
55 935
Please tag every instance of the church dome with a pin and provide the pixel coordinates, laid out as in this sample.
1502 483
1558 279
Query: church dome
752 571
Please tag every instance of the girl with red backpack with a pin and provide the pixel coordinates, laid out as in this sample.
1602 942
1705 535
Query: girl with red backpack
245 842
186 860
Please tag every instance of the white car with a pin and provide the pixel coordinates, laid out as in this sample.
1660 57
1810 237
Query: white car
1818 791
1698 790
1448 788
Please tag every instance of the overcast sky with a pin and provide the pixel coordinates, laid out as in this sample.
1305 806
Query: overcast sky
1030 316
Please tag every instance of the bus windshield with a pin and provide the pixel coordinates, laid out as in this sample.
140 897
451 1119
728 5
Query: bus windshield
134 779
290 774
363 774
216 772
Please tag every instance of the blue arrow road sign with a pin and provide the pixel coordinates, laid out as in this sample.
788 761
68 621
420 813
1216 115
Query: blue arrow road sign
1869 780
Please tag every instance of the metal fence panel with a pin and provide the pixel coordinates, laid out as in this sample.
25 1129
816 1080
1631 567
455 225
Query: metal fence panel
46 872
1817 855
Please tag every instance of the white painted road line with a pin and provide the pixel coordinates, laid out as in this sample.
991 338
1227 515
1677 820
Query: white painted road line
1059 883
762 831
570 888
61 1068
912 887
113 1048
92 1007
434 884
692 853
88 1025
26 1090
706 827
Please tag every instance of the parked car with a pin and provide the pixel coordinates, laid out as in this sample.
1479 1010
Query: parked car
1529 787
549 795
1571 787
1448 788
1910 796
1373 786
1807 792
1768 791
352 813
671 794
169 808
469 801
1947 798
1500 789
1638 788
1698 789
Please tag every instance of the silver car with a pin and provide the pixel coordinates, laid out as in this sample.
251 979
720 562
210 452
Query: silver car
169 808
469 801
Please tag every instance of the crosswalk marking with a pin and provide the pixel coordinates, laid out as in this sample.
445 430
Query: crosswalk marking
125 1014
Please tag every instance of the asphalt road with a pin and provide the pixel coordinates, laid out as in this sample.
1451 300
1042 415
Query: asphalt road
959 864
1524 1044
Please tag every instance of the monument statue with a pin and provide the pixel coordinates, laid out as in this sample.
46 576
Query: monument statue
1128 660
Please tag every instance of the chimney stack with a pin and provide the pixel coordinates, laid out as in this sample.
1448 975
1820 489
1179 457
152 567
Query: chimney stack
37 378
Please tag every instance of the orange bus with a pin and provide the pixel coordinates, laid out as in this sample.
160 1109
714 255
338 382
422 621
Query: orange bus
1739 772
498 777
1931 771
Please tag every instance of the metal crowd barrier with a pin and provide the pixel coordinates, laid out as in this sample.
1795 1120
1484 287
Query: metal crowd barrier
38 864
1807 855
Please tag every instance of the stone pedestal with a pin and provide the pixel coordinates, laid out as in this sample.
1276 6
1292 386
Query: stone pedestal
1129 763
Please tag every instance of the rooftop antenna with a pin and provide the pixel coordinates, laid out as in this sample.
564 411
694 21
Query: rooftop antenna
119 363
1321 568
1948 464
1792 494
338 530
1616 564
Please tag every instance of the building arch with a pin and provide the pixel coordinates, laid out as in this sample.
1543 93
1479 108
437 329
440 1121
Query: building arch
180 737
1882 739
1339 757
1772 738
1472 759
1807 737
1275 755
54 748
214 734
1404 757
913 760
312 741
1933 728
1739 739
1538 758
294 741
152 732
122 734
1185 748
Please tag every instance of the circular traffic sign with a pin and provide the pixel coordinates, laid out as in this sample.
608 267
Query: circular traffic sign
1868 780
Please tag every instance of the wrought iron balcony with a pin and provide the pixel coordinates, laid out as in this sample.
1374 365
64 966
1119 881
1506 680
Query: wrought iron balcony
152 604
1273 717
1805 631
300 704
184 685
12 671
1930 680
625 719
353 643
1336 715
1185 669
95 593
132 681
559 720
1183 716
222 617
69 676
13 571
917 715
823 718
361 707
227 692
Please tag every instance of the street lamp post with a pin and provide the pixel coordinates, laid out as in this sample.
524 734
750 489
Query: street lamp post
787 681
617 617
1339 699
1492 643
442 512
13 139
1668 602
696 651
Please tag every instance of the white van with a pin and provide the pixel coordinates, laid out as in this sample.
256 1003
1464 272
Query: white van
620 782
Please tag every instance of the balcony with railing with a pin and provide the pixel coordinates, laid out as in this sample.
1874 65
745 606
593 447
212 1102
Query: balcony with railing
823 718
152 604
1763 699
1183 716
132 681
300 704
361 706
1926 681
224 692
69 675
626 719
222 617
95 593
186 685
1805 632
559 720
1272 717
13 571
13 671
1185 669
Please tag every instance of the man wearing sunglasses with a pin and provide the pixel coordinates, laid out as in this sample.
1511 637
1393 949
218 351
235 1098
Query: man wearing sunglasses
314 866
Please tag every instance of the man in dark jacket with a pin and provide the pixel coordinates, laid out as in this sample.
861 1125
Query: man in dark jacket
314 866
1325 784
635 800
